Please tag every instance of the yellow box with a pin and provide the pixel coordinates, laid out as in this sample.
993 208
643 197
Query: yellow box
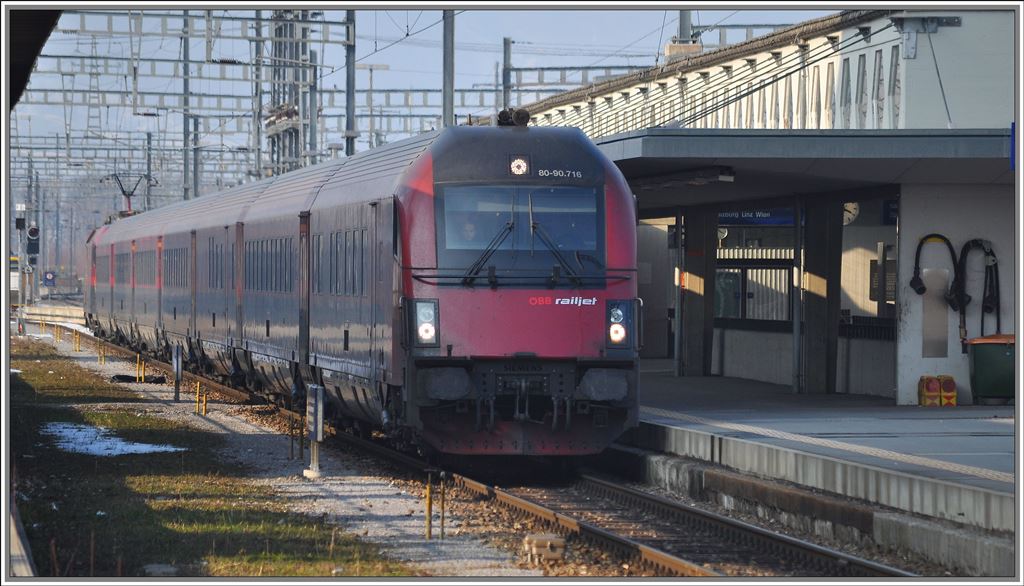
936 391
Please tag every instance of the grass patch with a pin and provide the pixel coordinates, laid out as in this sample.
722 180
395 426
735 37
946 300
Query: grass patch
56 379
108 516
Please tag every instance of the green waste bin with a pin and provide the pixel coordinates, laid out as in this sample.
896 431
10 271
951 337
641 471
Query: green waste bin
991 359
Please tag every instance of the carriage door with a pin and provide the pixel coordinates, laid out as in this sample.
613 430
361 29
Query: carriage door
381 287
92 280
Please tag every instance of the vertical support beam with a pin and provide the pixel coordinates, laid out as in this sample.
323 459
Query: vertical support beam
823 264
43 228
796 296
679 282
71 240
700 261
195 156
257 110
313 109
350 84
184 109
685 35
149 171
506 74
56 231
448 71
57 227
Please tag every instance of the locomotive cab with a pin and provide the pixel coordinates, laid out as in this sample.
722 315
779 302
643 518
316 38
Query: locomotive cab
519 289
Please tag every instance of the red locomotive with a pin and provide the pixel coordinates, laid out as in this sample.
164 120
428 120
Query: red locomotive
472 290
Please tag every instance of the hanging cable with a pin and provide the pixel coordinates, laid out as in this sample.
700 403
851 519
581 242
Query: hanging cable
917 284
990 301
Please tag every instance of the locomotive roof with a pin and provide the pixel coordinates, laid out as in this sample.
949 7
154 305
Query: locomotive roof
289 194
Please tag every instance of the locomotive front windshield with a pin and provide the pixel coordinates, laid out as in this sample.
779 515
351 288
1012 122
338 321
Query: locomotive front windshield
521 227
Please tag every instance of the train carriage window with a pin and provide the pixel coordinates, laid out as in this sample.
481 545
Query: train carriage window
314 262
350 263
275 263
346 286
281 260
332 280
395 232
364 261
264 266
250 266
380 262
289 276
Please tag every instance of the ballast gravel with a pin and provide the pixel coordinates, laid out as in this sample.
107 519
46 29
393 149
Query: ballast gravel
350 494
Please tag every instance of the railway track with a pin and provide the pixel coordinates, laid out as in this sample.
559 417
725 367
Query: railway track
665 536
725 545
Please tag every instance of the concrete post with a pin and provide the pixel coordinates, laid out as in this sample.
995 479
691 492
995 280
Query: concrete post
148 171
350 85
699 263
313 107
685 28
506 74
195 156
448 73
184 110
823 262
257 114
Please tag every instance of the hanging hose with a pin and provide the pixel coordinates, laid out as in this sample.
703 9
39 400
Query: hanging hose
990 301
917 284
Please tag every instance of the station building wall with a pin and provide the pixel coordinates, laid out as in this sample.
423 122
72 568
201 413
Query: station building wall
961 213
976 63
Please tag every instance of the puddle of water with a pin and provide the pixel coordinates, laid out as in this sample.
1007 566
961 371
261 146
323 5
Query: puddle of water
95 441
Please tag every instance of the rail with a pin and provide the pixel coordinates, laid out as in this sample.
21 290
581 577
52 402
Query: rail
837 563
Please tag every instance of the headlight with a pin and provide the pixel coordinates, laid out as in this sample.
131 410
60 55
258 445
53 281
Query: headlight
425 322
617 333
425 312
619 323
427 332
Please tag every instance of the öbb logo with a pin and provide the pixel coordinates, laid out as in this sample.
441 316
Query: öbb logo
577 301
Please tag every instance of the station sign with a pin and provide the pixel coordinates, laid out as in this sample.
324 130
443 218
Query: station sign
49 279
757 217
890 212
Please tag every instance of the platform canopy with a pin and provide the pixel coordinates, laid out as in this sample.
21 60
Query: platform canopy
668 167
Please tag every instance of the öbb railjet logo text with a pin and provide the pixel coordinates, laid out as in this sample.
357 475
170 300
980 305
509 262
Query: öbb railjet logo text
577 301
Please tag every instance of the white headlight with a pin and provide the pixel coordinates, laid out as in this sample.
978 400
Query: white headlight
617 333
615 315
426 332
425 312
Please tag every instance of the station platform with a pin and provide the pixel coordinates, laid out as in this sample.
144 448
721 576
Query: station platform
953 463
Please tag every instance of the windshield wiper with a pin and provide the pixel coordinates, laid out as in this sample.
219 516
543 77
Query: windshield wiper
470 275
536 228
580 256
